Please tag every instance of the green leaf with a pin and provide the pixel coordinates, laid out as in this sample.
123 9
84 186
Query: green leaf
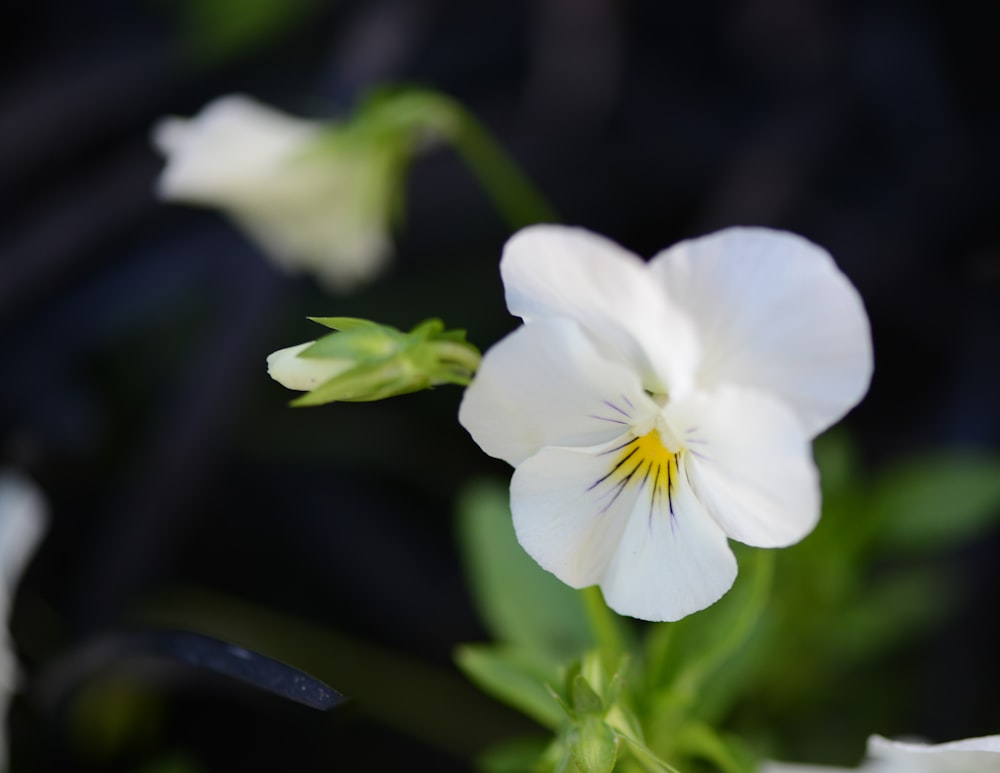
518 601
513 676
938 501
514 756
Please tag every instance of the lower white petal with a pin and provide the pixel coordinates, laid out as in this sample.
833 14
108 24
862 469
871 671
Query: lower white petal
750 463
561 520
673 559
621 515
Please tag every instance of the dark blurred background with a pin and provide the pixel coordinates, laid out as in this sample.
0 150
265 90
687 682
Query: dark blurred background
133 333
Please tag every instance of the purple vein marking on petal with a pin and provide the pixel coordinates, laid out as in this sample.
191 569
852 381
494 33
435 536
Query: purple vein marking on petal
621 461
614 407
619 487
618 448
628 402
670 499
605 418
652 497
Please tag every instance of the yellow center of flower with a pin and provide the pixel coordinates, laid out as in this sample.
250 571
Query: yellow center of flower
643 460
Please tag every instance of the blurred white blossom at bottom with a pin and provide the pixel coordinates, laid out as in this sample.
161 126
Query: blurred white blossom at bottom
317 197
970 755
23 517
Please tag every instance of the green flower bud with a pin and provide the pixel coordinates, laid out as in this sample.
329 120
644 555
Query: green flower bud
593 745
365 361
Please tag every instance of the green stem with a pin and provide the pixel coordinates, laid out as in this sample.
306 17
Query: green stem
513 194
464 357
603 623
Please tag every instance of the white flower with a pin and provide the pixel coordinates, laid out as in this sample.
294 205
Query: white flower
311 204
651 411
22 522
971 755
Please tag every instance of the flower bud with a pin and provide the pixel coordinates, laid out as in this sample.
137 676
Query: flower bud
365 361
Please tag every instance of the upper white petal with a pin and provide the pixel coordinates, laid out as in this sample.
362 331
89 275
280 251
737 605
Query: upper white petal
750 463
555 271
546 384
774 312
672 560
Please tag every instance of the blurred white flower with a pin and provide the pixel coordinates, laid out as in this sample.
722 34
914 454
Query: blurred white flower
971 755
316 197
653 410
23 516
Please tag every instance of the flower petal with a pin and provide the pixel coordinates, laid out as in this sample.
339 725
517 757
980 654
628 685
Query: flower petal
750 464
554 271
560 520
303 373
773 312
655 557
970 755
546 384
234 145
672 560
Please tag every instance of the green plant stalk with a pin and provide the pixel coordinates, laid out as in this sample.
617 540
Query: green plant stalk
603 621
517 199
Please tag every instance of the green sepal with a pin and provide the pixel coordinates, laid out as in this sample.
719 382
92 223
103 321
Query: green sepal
593 745
343 323
585 699
358 344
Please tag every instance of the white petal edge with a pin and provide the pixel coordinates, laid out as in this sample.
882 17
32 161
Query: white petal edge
559 271
773 311
546 384
792 767
751 465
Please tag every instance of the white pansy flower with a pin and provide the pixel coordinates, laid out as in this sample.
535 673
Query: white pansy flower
654 410
23 515
313 204
971 755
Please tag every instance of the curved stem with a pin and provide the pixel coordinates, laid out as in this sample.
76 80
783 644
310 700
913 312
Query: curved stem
513 194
